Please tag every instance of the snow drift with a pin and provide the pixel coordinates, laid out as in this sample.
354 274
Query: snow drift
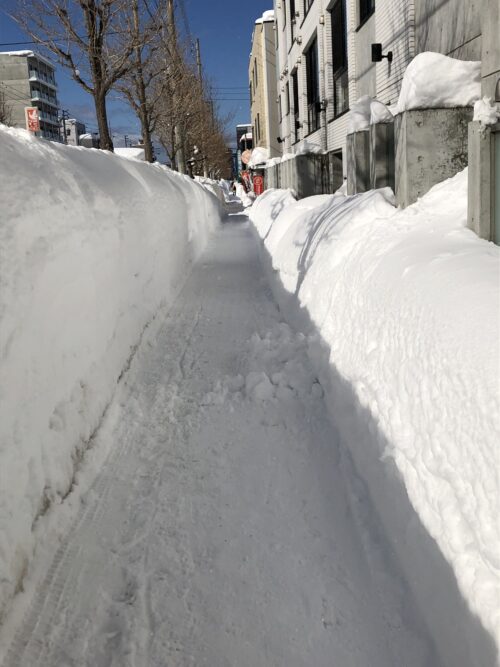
406 306
91 246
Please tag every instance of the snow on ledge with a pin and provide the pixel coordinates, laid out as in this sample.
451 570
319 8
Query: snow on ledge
435 81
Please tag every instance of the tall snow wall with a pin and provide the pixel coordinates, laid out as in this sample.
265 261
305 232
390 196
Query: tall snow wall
403 310
91 247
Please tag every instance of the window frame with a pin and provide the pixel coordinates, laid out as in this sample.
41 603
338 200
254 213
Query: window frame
340 70
312 86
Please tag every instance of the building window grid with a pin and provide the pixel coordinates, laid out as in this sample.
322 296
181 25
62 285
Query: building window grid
366 9
296 108
312 80
338 23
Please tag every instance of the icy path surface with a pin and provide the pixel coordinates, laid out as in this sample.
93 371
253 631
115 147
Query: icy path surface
222 529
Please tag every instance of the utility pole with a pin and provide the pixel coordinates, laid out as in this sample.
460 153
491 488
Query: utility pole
126 140
200 77
64 118
198 60
178 134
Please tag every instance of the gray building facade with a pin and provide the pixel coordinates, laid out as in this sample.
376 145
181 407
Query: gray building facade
28 80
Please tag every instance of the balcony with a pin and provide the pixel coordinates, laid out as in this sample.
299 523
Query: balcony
40 96
41 77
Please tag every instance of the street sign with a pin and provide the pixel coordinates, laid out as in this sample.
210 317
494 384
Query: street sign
32 119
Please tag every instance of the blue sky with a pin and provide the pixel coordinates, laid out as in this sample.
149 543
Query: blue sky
224 28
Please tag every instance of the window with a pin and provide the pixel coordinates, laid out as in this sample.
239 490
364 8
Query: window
366 9
292 18
339 58
312 74
251 93
280 109
287 108
296 110
255 79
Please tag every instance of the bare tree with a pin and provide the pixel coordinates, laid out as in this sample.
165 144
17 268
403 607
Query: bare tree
90 38
138 84
5 110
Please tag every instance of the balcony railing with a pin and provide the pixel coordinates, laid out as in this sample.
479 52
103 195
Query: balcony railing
47 79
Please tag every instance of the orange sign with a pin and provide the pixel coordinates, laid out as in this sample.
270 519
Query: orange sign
245 156
32 119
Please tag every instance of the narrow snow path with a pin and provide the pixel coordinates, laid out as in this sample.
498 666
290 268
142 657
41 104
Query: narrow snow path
219 531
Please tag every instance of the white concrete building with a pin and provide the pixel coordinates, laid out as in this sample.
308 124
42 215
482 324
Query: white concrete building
324 62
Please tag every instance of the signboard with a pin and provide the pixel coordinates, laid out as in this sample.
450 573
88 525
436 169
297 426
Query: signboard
32 119
258 184
245 156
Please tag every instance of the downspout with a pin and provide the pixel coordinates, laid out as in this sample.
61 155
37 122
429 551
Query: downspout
322 76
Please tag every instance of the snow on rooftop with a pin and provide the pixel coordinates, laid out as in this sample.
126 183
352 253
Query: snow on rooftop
434 81
266 17
27 54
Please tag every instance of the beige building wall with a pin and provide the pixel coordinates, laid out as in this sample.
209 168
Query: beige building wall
262 81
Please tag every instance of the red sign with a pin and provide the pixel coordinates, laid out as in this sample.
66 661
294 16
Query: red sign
32 119
258 185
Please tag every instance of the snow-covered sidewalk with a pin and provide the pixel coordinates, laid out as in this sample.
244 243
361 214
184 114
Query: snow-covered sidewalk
225 528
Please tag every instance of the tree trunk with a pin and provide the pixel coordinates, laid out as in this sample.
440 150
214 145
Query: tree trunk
106 142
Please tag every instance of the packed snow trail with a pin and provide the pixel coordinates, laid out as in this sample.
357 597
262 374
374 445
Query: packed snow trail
222 529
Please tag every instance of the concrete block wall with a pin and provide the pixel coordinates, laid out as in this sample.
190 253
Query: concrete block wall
358 162
382 156
431 146
480 183
308 175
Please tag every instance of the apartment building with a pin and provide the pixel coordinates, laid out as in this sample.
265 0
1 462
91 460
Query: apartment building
325 63
324 56
27 79
262 78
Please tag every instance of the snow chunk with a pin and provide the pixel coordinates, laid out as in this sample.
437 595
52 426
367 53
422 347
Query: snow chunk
434 81
259 155
485 112
360 115
131 153
266 16
308 147
380 113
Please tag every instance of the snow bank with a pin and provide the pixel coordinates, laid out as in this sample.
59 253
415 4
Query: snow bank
91 245
434 81
406 303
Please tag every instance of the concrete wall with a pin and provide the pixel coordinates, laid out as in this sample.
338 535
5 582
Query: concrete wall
431 146
308 175
481 174
358 162
15 86
491 46
452 27
382 156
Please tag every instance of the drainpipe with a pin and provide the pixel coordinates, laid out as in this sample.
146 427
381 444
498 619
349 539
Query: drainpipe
322 76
